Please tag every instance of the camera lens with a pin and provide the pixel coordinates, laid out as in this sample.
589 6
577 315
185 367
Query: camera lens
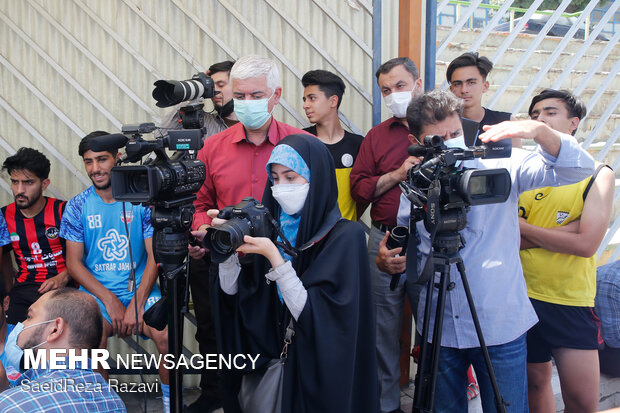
222 242
398 238
226 238
139 182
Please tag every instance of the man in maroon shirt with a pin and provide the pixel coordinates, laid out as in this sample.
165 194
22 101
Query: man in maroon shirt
236 158
382 162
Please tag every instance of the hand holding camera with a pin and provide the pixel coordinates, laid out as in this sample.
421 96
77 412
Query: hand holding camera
390 260
251 245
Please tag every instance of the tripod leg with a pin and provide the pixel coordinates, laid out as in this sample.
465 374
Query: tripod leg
426 379
175 344
420 399
500 404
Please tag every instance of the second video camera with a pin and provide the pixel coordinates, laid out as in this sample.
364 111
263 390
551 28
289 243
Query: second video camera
171 92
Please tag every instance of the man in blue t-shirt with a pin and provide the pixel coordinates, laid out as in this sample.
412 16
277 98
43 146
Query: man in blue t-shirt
98 231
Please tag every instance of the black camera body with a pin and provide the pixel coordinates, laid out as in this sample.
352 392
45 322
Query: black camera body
161 179
248 217
442 192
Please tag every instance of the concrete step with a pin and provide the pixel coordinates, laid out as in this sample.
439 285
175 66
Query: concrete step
527 74
538 58
606 131
522 40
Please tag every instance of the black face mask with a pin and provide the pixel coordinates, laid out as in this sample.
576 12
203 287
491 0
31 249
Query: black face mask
225 110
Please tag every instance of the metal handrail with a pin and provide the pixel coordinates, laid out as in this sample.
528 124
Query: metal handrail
485 33
457 26
551 60
513 9
601 122
608 145
586 45
530 50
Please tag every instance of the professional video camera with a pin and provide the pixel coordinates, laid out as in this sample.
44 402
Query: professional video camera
171 92
442 192
248 217
169 184
162 179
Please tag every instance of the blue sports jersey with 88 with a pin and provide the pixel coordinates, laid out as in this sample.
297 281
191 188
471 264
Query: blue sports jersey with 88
100 227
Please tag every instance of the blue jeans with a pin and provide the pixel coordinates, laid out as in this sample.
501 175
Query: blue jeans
509 365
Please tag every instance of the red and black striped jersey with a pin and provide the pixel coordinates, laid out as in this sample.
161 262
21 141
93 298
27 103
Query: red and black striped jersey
39 250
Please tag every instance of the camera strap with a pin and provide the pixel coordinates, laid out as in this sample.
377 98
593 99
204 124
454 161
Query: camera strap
285 244
434 217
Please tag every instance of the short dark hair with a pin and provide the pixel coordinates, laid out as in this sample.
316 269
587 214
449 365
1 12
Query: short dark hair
329 83
80 312
483 64
430 108
86 142
392 63
28 159
224 66
574 104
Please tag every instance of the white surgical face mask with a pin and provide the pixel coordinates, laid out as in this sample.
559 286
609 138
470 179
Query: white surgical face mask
458 142
291 197
398 102
252 113
12 351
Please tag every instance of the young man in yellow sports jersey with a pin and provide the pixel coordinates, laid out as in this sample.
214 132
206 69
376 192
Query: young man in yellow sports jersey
561 229
323 92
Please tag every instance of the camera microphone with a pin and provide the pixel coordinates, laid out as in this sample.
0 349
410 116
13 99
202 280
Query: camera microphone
108 142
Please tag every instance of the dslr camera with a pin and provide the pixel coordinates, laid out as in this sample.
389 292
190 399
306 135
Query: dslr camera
248 217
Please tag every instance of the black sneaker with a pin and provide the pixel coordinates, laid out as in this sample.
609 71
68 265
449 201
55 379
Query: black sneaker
204 404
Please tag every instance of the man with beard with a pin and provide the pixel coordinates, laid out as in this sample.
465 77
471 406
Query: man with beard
224 115
382 162
98 231
32 221
60 321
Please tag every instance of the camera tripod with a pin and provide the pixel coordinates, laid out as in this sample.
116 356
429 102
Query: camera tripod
445 252
172 221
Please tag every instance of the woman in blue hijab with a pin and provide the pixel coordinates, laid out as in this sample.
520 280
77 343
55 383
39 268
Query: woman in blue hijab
325 288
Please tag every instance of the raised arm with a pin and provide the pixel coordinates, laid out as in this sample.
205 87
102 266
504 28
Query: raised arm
550 140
